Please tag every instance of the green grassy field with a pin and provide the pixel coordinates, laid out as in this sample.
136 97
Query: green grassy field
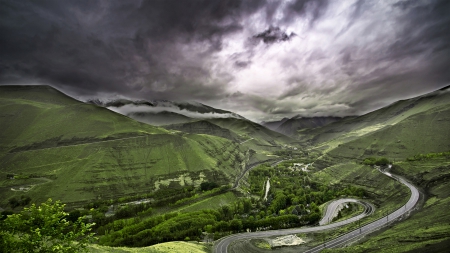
214 202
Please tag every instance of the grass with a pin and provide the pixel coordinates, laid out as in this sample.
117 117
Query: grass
262 137
122 167
168 247
261 243
419 133
399 130
210 203
77 152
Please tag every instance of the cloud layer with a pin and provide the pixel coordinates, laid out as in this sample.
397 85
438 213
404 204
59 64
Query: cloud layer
262 59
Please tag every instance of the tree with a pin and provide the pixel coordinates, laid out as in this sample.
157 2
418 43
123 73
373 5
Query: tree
44 229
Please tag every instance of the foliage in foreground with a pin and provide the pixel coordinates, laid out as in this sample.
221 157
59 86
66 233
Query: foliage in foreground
44 228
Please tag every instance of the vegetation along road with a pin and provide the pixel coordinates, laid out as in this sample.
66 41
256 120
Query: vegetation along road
222 245
333 209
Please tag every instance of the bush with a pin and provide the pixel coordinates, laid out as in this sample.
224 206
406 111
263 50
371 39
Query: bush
206 186
376 161
43 229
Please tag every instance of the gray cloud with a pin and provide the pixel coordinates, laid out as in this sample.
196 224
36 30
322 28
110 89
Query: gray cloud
349 57
274 34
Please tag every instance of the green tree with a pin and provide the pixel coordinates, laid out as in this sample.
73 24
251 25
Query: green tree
44 229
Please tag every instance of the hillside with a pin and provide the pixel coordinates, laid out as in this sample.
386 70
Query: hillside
163 112
273 125
65 149
254 133
205 127
39 116
400 129
159 118
291 126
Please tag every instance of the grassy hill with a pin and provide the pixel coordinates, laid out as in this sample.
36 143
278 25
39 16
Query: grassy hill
423 132
62 148
160 118
204 127
258 138
41 116
291 126
399 130
248 129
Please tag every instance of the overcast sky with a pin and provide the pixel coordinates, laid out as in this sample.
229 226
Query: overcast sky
262 59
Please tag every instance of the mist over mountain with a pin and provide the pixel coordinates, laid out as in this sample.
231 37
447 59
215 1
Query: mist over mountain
162 112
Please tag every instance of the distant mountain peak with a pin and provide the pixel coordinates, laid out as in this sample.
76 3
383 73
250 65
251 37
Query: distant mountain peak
298 122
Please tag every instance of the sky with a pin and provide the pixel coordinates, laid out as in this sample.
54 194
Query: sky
264 60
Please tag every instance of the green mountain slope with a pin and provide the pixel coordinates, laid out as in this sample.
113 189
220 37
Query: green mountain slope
292 125
248 129
40 116
160 118
422 118
204 127
61 148
424 132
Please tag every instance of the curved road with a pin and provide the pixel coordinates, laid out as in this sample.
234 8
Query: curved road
222 245
333 207
378 223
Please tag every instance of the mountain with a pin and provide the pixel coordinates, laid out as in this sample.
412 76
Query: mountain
256 134
61 148
273 125
159 118
204 127
291 126
402 129
163 112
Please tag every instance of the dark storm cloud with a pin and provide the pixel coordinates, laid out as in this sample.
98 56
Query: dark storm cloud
116 46
349 57
316 9
425 36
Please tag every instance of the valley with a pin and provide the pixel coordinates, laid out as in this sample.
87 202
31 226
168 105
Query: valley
225 183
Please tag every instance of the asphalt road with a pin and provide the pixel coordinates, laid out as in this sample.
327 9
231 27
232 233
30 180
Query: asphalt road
332 209
222 245
378 223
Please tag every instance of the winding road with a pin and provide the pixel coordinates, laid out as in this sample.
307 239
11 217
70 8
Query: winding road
221 246
332 209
